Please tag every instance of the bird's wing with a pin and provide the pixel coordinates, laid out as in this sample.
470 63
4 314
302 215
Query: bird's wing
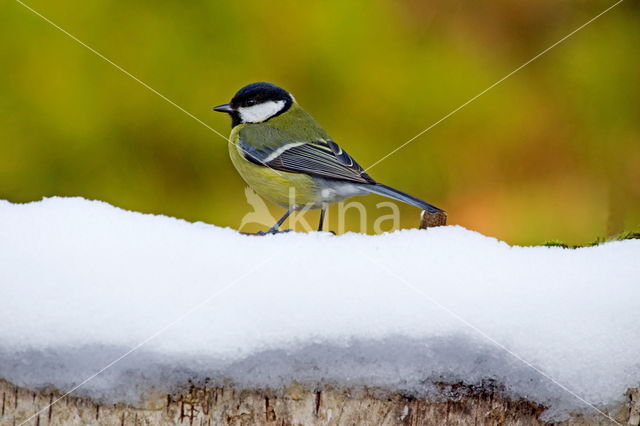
322 158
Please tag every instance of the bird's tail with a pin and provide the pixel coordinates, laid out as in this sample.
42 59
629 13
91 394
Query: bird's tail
387 191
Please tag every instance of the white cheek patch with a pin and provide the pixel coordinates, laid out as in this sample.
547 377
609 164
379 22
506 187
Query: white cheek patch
260 112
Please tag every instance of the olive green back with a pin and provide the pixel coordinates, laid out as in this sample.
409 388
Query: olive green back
295 125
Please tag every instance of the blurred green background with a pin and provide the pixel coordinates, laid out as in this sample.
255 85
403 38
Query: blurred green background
551 153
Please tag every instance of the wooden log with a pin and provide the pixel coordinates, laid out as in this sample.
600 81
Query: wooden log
430 220
226 405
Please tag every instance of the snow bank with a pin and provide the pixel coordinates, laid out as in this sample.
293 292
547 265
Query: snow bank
82 282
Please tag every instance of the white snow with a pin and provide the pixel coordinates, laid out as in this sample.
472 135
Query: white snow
83 282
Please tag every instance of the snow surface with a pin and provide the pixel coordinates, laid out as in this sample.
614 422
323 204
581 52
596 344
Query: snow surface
83 282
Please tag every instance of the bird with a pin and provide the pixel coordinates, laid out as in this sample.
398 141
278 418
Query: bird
289 159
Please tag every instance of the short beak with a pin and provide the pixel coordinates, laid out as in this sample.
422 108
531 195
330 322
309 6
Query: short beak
223 108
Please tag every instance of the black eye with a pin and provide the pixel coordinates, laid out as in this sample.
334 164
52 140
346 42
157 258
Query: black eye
251 102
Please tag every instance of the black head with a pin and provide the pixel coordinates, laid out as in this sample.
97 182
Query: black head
256 103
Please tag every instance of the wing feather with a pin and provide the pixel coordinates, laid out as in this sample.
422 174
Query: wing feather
322 158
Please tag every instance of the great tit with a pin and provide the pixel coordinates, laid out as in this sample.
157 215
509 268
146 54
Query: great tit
287 158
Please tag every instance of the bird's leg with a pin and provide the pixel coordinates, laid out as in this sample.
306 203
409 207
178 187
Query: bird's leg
279 223
274 228
322 212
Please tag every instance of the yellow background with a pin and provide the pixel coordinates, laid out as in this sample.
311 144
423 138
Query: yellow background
551 153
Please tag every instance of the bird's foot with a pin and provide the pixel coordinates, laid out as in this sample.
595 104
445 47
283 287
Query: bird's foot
270 232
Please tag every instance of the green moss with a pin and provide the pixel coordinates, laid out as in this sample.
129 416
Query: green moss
627 235
555 243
